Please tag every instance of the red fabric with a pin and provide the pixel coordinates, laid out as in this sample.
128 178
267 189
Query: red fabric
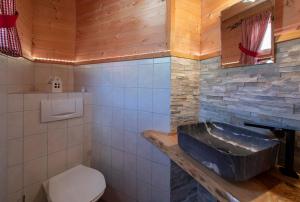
248 52
253 31
8 21
9 38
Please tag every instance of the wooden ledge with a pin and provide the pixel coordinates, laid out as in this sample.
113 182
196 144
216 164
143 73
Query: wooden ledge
268 187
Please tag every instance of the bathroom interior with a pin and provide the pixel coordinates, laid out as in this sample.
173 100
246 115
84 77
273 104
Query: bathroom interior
149 100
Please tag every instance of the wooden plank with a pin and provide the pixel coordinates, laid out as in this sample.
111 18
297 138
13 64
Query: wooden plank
54 29
185 22
24 26
120 28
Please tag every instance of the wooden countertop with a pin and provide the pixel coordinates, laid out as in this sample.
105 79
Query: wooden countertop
268 187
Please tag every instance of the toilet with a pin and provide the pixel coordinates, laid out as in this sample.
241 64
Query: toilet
78 184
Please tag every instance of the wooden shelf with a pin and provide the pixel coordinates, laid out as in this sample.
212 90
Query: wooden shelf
267 187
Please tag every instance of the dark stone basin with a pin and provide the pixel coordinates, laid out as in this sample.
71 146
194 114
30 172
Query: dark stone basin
234 153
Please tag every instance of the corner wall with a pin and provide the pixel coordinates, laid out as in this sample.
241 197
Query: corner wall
129 97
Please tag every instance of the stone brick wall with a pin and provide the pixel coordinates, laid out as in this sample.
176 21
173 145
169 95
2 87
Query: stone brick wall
264 94
184 91
185 189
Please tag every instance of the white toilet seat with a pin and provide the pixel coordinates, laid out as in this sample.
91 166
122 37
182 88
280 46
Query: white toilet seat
78 184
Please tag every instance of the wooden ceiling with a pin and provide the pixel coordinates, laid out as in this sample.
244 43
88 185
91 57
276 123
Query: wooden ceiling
90 31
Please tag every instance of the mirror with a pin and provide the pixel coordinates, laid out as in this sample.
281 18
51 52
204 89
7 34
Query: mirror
247 34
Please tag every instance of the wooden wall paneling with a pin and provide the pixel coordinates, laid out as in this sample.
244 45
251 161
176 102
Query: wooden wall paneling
210 25
287 16
108 29
54 29
185 28
287 23
24 26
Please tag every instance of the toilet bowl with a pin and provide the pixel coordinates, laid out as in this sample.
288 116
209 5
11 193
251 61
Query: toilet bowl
78 184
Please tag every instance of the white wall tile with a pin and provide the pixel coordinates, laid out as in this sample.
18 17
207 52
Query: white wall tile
75 121
57 163
118 76
131 120
15 179
131 98
15 103
106 116
162 60
162 75
118 97
143 192
117 159
57 140
158 195
145 121
145 76
160 176
117 181
74 156
33 101
75 135
118 118
161 123
32 124
131 76
14 125
130 163
143 148
15 152
35 171
130 142
123 108
144 170
35 193
161 101
106 135
117 138
159 157
35 146
145 99
131 184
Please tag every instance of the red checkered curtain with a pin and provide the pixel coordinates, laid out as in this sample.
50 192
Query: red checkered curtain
9 39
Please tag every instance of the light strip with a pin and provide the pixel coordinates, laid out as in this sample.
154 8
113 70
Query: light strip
248 1
53 60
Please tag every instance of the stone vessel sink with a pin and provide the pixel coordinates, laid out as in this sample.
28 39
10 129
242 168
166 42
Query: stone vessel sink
235 154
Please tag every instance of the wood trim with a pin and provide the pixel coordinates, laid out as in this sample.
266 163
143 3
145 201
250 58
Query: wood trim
292 35
184 55
126 57
169 20
171 23
295 34
210 55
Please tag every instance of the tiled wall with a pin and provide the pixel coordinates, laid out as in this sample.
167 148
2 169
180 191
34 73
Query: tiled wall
38 151
22 75
19 75
130 97
263 94
3 134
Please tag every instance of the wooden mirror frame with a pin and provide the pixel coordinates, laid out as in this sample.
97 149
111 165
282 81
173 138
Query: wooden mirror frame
235 14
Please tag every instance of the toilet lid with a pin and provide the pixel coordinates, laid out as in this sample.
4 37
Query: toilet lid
79 184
